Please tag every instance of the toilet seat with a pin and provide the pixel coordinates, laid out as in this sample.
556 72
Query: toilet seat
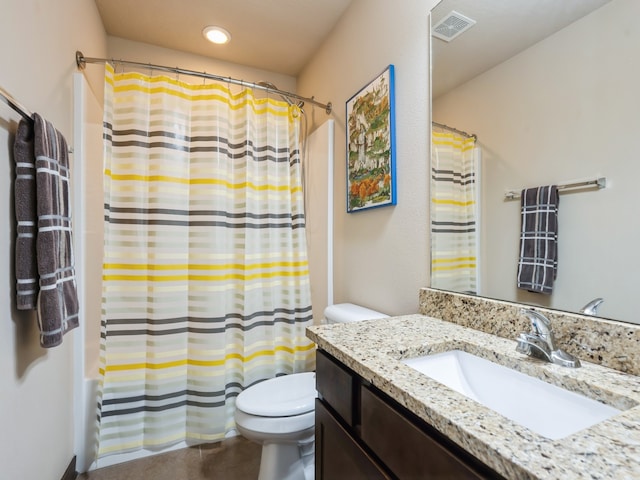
285 428
284 396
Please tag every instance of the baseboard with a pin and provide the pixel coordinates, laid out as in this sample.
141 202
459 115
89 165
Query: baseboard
70 473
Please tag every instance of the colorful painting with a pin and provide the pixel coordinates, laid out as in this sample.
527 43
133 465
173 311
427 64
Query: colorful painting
371 145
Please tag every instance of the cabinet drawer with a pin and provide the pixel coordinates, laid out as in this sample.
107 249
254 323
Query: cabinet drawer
407 450
335 385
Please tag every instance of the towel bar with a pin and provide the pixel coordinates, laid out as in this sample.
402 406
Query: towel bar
600 182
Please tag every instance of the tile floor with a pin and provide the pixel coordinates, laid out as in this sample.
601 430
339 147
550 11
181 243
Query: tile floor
233 459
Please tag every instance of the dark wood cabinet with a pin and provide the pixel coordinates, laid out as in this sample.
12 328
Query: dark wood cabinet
338 455
337 387
361 433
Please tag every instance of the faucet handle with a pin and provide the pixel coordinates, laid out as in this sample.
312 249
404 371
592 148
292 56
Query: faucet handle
591 308
540 324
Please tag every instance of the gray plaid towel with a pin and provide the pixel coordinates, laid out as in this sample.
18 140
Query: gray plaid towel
26 217
538 264
44 250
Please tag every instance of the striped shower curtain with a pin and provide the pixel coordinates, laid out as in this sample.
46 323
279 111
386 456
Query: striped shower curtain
205 277
454 211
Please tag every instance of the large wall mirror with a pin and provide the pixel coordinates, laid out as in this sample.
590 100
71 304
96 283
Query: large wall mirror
550 88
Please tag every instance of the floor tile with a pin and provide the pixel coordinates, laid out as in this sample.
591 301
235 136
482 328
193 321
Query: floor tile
233 459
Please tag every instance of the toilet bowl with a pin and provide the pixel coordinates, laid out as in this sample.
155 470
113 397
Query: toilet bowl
279 413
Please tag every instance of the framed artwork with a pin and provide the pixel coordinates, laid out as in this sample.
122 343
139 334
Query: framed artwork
371 176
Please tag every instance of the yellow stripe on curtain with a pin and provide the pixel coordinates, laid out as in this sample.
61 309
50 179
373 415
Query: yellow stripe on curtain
454 212
205 276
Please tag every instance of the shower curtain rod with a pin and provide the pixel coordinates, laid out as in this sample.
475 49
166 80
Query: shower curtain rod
13 103
82 61
461 132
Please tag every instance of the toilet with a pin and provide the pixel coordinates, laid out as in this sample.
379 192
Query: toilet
279 413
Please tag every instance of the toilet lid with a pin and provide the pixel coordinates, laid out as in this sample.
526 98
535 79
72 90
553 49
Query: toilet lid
280 397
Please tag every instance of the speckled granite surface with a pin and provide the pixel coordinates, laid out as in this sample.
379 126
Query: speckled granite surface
605 342
608 450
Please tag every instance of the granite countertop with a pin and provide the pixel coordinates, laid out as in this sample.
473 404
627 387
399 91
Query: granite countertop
608 450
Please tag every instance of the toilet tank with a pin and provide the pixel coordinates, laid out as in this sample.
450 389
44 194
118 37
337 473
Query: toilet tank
349 312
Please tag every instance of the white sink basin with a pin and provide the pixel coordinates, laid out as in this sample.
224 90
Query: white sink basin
550 411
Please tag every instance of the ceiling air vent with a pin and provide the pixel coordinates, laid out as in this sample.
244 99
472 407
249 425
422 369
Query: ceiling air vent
451 26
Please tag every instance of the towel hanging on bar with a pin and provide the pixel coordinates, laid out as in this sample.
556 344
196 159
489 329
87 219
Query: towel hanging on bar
44 250
538 263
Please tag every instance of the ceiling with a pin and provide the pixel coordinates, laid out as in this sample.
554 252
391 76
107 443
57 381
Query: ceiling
274 35
283 35
503 29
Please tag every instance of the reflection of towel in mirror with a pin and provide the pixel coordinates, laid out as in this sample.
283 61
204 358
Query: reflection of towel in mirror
538 264
58 298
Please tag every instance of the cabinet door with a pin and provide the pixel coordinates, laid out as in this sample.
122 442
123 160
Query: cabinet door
336 386
407 450
338 456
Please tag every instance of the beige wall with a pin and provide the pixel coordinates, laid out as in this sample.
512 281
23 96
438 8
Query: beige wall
120 48
381 255
38 40
564 110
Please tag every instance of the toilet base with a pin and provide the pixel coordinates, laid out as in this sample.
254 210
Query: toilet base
287 461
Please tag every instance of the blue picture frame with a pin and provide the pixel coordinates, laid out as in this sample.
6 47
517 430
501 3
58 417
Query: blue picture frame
371 156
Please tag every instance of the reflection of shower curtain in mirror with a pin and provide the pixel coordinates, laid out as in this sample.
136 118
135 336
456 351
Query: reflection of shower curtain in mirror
454 211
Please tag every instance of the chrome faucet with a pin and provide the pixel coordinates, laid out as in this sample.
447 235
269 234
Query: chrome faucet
540 342
591 308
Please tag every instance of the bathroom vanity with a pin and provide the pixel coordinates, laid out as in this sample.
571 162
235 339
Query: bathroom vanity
379 418
362 433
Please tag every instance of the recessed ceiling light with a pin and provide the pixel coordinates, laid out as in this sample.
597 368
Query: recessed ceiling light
216 35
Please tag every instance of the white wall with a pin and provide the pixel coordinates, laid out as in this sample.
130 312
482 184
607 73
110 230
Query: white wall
381 255
318 166
38 40
566 109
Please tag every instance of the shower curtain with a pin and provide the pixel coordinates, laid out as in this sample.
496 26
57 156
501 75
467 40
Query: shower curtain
454 211
205 278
